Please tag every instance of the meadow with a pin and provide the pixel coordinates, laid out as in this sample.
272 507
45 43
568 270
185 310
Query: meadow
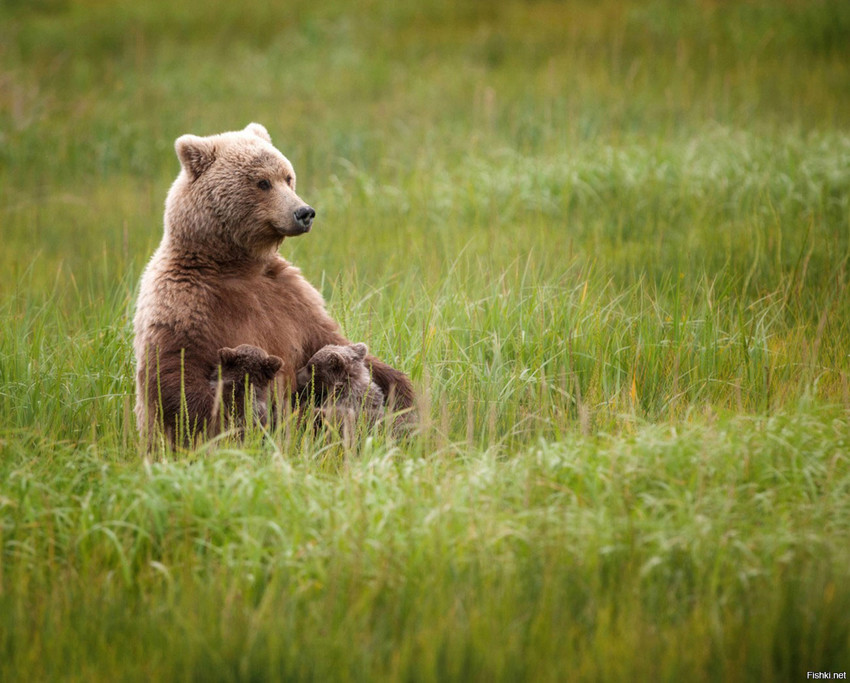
608 241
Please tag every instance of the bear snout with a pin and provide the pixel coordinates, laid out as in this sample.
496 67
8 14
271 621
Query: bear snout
304 216
302 377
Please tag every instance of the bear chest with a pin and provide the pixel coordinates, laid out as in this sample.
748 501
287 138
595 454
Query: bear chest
269 312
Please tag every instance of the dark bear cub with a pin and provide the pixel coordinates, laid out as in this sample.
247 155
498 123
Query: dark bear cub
338 381
241 382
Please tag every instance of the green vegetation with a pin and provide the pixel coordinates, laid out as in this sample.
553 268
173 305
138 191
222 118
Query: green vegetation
609 241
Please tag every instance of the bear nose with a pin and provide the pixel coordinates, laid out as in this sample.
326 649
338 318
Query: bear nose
304 216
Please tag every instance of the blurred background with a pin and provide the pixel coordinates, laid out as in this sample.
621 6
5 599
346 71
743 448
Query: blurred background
417 112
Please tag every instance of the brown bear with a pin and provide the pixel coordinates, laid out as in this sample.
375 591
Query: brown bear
241 382
217 281
338 382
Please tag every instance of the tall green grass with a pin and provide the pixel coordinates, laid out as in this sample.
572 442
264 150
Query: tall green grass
704 551
608 241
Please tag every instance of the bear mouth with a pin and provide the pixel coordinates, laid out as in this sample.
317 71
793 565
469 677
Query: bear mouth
290 230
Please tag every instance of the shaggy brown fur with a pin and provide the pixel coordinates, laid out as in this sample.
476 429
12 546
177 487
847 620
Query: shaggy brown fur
242 383
337 378
217 281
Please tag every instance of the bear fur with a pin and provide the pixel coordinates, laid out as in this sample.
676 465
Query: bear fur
216 280
338 381
242 383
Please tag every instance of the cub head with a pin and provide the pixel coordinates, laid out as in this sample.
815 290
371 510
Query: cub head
335 367
248 360
235 188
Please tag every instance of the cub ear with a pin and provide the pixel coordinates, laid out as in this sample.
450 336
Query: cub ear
227 355
196 154
360 350
271 365
259 130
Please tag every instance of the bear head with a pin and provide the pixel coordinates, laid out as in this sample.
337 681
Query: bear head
246 360
336 368
237 190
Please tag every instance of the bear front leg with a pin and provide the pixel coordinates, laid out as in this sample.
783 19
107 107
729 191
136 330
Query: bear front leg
178 399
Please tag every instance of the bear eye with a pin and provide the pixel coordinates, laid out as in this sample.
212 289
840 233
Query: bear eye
264 185
289 180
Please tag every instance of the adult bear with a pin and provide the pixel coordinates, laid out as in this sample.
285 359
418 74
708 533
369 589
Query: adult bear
217 281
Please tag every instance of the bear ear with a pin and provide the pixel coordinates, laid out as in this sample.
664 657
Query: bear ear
196 154
226 355
360 350
271 365
259 130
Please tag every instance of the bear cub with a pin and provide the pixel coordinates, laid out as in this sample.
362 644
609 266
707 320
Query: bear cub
340 384
244 368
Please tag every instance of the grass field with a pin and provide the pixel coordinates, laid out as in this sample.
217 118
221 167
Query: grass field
609 242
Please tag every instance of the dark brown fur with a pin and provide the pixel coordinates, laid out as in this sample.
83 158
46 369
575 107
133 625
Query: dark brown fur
217 281
242 383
